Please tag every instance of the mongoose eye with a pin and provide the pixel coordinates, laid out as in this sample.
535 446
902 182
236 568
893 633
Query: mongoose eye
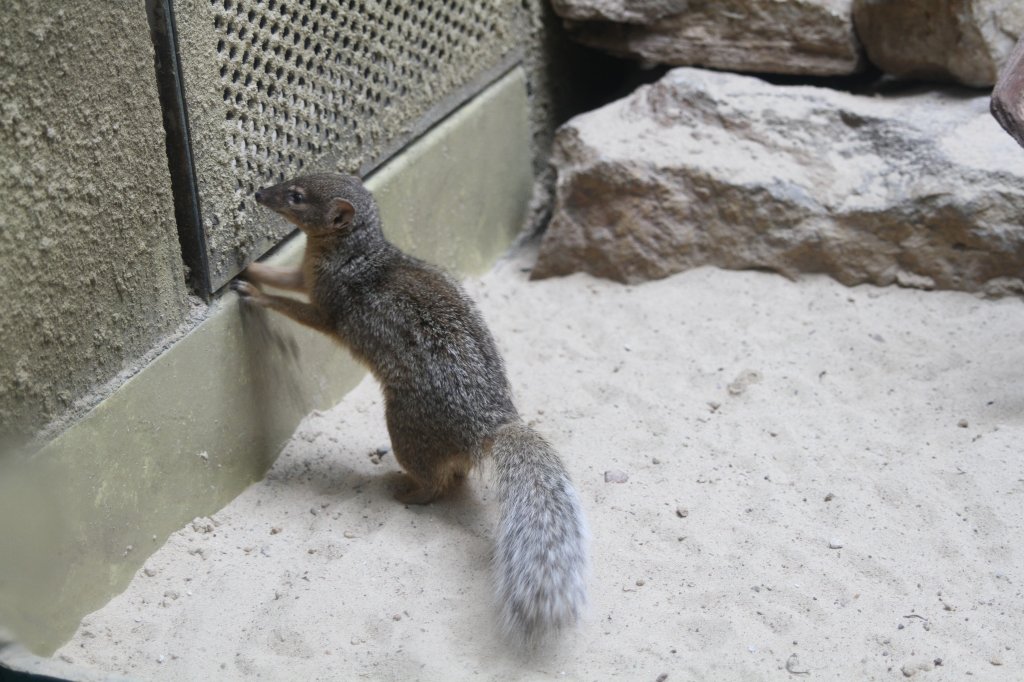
295 198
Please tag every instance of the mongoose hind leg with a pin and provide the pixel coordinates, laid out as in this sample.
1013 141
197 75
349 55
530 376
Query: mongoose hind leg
428 483
416 492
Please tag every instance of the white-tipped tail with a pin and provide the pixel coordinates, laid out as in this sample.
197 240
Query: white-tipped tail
540 558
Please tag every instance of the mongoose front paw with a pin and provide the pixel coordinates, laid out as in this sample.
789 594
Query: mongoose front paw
245 290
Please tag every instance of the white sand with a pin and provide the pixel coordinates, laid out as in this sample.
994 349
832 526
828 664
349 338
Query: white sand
759 421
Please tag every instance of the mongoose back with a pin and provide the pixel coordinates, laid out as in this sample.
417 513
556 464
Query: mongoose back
447 400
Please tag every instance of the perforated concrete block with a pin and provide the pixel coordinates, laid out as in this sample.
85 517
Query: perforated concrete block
275 88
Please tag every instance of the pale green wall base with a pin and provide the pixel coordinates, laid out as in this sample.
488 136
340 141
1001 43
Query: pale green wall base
205 419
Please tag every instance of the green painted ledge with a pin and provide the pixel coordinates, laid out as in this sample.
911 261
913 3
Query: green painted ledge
207 418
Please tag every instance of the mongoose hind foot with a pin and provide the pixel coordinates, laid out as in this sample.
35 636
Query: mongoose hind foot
417 494
411 491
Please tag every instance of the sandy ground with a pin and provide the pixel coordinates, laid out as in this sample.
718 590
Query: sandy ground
823 483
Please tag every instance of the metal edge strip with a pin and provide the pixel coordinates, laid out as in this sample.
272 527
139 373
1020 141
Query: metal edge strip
448 105
171 89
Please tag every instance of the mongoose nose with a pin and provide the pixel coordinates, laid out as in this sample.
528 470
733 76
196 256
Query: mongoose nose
259 195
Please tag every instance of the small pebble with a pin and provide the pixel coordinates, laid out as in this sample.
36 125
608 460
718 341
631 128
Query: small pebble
963 424
995 660
682 512
835 543
378 454
150 572
615 476
830 497
160 658
640 582
661 678
396 617
275 530
793 666
911 668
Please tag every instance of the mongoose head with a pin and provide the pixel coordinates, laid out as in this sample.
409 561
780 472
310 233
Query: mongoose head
322 204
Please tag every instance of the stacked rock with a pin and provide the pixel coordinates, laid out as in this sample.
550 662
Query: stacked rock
908 182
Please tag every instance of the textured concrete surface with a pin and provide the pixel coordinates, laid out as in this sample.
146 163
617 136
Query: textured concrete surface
196 426
89 257
916 187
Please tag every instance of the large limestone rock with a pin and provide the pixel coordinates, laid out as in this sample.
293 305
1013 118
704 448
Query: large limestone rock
814 37
965 41
921 189
628 11
1008 95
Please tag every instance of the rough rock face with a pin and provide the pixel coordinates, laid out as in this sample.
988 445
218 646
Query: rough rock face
813 37
920 189
1008 95
628 11
965 41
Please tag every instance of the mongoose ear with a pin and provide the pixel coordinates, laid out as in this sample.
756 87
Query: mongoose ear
341 213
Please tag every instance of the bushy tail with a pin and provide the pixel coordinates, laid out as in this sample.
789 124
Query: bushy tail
540 559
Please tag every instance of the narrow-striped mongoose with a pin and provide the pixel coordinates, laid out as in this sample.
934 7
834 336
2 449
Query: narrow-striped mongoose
447 399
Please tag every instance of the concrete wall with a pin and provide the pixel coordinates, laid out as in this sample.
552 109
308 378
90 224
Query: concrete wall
88 244
89 258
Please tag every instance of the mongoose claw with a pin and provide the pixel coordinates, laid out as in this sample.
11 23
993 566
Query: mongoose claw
244 289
